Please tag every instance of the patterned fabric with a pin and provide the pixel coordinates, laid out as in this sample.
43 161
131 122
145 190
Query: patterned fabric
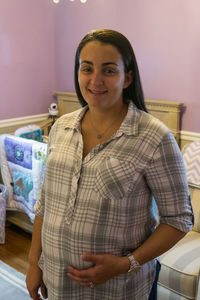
103 204
23 165
32 132
191 157
179 276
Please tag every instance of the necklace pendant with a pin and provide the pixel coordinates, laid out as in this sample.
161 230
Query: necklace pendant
99 136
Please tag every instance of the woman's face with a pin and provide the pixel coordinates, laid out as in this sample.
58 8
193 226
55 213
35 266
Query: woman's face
101 76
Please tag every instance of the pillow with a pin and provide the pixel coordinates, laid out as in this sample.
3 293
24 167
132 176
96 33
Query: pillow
32 132
191 157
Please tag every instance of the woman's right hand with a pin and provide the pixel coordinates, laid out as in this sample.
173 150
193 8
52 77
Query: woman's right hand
34 282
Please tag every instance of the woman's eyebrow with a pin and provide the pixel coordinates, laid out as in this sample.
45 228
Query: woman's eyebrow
104 64
109 63
86 62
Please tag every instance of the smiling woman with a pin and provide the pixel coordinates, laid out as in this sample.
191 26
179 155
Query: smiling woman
110 167
101 81
102 78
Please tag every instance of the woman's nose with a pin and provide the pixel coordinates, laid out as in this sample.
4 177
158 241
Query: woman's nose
96 78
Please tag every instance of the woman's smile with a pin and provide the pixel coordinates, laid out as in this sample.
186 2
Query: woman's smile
94 92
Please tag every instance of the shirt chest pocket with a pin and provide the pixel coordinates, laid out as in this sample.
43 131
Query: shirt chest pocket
114 177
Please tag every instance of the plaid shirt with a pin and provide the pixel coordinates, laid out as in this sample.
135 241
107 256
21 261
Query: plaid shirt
105 203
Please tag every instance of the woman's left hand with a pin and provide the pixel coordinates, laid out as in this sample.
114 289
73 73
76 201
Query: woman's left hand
105 267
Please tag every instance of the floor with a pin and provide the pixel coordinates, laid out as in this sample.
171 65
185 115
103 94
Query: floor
16 248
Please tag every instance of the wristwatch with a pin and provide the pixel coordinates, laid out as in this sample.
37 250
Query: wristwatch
134 264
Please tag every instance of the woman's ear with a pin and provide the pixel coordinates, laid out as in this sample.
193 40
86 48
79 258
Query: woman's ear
128 79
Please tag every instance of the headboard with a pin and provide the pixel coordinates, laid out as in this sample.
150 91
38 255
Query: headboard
169 112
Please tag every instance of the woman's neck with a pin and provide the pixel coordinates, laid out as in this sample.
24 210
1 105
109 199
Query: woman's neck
102 117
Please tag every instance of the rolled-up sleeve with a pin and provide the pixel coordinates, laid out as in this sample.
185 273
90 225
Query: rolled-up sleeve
167 180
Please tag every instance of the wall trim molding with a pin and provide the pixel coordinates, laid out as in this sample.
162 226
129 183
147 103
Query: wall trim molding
189 135
10 125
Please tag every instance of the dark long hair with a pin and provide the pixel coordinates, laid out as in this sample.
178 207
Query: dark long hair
134 91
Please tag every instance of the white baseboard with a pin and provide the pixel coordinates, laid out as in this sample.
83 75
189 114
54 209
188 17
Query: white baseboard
10 125
190 136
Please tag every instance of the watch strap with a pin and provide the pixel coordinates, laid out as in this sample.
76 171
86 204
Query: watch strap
134 264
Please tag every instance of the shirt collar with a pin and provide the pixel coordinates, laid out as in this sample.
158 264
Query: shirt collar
74 119
129 126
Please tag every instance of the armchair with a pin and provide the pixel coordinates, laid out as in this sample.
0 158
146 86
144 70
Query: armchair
179 277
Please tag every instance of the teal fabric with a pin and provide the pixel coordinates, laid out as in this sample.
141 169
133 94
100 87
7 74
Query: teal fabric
32 135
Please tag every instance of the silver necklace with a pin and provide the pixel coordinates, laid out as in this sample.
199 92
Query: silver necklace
100 135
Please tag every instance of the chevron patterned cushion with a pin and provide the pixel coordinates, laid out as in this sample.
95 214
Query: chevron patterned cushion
191 157
179 276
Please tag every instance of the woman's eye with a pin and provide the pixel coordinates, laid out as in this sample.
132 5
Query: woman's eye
109 71
85 69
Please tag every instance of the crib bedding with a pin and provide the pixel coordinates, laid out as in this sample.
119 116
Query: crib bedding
22 166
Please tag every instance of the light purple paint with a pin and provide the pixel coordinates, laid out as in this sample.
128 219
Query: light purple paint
38 40
27 57
165 36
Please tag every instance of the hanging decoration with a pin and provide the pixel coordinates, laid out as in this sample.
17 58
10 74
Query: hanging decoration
82 1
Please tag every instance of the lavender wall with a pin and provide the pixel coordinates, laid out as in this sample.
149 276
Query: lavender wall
38 40
27 57
165 35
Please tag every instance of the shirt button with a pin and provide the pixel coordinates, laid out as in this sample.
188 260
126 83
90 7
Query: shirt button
73 194
74 181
